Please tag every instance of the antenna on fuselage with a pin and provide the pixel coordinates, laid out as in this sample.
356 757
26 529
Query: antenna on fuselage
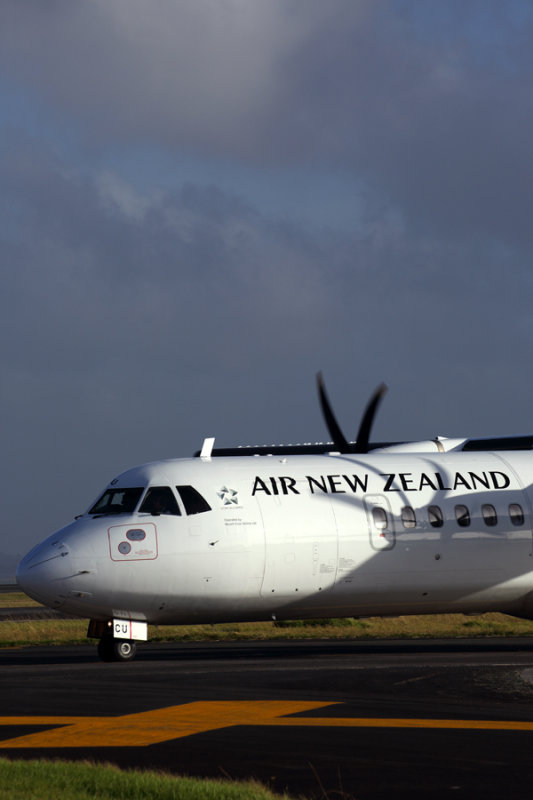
361 444
207 448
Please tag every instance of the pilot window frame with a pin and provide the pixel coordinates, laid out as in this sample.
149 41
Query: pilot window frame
171 508
128 504
193 502
435 516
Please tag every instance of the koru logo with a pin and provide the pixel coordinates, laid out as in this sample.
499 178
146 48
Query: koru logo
229 497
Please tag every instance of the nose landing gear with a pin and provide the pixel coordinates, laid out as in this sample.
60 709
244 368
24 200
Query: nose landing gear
117 647
110 649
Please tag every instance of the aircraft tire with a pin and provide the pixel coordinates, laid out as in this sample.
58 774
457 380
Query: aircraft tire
110 649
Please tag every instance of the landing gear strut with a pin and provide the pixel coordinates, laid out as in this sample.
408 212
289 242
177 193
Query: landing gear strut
110 649
116 648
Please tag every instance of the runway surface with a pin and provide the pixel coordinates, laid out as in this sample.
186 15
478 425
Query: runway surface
368 719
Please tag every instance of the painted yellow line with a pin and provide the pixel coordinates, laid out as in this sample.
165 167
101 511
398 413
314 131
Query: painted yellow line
40 720
364 722
153 727
165 724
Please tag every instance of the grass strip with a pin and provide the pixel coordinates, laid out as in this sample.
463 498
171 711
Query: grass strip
427 626
18 633
41 780
16 600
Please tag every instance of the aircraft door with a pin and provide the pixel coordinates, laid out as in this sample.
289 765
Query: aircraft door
301 546
380 522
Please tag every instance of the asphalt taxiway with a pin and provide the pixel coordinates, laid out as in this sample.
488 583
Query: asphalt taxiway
367 719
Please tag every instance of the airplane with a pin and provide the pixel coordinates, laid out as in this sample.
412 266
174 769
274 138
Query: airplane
342 529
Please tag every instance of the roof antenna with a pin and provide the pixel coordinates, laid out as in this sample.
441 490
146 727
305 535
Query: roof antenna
207 448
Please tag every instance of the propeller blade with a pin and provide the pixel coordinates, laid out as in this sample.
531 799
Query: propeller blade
363 434
339 440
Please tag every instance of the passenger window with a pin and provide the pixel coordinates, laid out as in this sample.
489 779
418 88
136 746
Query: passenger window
192 500
516 514
408 517
462 515
436 519
489 515
159 500
380 518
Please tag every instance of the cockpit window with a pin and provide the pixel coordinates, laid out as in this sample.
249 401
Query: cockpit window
160 500
117 501
192 500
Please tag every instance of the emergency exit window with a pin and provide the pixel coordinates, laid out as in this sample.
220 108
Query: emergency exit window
380 518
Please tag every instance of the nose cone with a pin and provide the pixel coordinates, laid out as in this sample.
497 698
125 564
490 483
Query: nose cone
41 574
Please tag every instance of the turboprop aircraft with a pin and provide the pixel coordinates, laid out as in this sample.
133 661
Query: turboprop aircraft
303 531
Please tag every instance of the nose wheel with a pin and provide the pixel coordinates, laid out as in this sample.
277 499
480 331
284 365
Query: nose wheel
111 649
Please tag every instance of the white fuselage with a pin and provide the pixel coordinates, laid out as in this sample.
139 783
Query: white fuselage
302 537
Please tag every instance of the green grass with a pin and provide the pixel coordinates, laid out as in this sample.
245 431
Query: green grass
17 633
407 627
53 632
16 600
42 780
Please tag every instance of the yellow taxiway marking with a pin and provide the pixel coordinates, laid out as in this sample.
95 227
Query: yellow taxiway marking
164 724
151 727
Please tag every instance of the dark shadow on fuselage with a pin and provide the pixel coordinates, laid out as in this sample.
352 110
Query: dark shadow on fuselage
445 564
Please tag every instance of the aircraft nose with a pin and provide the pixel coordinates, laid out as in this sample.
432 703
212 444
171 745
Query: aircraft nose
41 573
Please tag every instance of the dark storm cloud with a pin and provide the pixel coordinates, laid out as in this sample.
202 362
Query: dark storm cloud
433 110
111 288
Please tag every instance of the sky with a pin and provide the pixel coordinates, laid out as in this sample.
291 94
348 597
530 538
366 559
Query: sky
204 202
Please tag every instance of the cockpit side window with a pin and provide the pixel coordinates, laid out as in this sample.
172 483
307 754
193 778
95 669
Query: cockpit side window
192 500
159 500
117 501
